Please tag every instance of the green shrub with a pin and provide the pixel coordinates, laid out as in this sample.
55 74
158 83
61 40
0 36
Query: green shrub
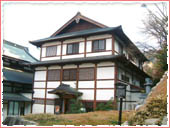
103 107
75 106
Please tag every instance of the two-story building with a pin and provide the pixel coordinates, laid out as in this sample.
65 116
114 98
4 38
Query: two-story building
85 59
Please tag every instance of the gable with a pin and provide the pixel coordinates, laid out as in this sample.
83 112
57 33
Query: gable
81 25
78 23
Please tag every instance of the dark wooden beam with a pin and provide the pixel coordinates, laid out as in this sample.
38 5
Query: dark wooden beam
95 86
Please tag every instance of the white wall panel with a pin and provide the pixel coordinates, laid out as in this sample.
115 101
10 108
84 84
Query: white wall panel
86 65
105 84
86 84
98 54
40 68
74 40
52 43
39 84
53 96
40 75
54 67
87 94
108 44
73 56
81 47
50 109
99 37
64 49
69 66
50 58
105 73
105 94
58 49
71 83
39 93
38 108
53 84
43 52
88 46
106 64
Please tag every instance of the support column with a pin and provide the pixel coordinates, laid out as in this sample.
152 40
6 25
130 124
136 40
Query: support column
45 98
77 79
116 78
61 52
95 86
61 74
113 45
85 45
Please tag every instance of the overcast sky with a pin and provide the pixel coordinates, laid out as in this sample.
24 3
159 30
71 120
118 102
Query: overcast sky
25 21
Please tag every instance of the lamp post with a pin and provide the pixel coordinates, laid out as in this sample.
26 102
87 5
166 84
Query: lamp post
120 93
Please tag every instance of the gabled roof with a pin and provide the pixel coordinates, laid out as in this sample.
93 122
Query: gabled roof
77 18
17 51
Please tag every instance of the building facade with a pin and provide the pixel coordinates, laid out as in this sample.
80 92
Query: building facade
89 57
17 80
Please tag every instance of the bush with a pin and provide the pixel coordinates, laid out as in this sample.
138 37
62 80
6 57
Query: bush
103 107
76 106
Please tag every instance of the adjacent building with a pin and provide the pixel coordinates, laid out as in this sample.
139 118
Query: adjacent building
17 79
84 59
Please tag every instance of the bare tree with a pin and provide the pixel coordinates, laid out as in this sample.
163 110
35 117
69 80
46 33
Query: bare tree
156 23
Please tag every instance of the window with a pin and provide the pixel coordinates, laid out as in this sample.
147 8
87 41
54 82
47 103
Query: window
51 51
54 74
73 48
13 108
69 74
86 74
98 45
125 78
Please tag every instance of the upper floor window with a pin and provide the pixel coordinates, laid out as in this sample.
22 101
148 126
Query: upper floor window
51 51
54 74
99 45
73 48
69 74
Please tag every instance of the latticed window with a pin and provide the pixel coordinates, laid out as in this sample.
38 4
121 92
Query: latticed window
69 74
86 74
98 45
51 51
54 74
73 48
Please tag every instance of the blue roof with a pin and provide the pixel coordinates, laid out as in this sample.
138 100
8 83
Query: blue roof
17 51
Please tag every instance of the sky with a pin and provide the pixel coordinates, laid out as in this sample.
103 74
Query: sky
27 21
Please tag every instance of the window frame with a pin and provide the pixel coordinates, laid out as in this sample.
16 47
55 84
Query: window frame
58 70
54 52
99 50
69 78
73 53
85 78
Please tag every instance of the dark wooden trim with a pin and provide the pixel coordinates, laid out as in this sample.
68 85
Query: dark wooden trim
116 78
40 70
61 74
61 50
73 54
95 86
98 51
113 45
44 88
51 45
51 56
108 66
40 81
32 93
44 98
104 79
45 91
40 53
85 46
77 78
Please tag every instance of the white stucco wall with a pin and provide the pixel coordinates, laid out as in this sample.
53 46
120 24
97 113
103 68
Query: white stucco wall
86 65
53 84
74 40
105 73
28 95
71 83
104 94
99 37
43 54
88 46
106 64
50 109
73 56
38 108
40 68
39 93
86 84
51 58
105 84
68 66
99 54
40 75
52 96
81 47
39 84
87 94
108 44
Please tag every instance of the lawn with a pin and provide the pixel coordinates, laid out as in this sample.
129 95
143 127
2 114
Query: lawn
90 118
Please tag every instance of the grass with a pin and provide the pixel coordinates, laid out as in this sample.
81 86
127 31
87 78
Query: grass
91 118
